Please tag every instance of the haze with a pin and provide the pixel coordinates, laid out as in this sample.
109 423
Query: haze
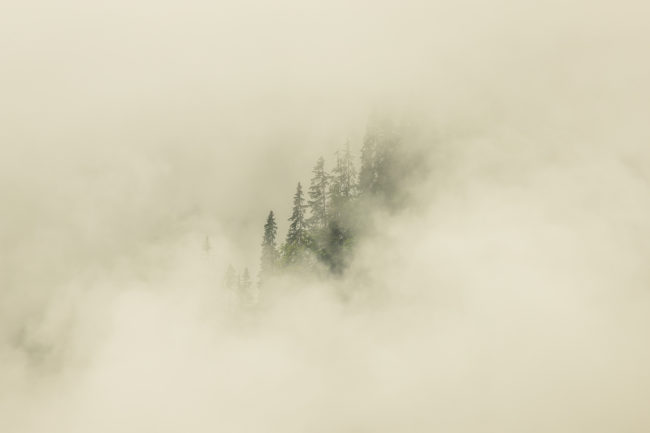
509 294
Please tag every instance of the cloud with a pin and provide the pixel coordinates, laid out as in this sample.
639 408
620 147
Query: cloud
511 296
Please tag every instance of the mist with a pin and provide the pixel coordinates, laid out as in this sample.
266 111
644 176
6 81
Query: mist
508 292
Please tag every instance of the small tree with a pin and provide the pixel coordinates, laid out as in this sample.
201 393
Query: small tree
368 170
297 237
245 280
336 241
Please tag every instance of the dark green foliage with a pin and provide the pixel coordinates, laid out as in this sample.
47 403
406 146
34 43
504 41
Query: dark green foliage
340 204
270 255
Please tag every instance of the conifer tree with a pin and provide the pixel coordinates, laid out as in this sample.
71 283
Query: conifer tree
348 175
337 242
381 165
297 237
318 191
230 279
387 163
368 172
343 186
206 245
269 260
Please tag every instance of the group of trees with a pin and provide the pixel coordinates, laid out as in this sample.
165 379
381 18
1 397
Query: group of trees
327 219
320 226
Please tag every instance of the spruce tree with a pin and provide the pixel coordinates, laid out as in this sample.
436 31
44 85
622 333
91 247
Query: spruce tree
381 162
343 186
348 179
268 262
297 237
387 164
318 191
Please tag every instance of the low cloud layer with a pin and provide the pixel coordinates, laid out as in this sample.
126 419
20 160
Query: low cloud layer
511 295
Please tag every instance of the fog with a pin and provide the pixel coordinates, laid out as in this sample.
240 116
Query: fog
509 294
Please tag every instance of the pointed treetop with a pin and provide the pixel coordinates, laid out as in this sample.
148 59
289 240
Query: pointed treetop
297 235
318 196
270 255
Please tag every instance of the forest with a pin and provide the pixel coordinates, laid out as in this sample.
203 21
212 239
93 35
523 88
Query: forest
335 211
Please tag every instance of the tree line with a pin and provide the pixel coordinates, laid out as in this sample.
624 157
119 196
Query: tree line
328 218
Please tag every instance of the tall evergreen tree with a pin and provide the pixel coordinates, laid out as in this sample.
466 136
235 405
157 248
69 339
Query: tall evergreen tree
269 260
337 242
297 236
387 163
381 163
318 196
348 175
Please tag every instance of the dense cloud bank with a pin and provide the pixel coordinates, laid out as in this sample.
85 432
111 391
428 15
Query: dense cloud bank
510 293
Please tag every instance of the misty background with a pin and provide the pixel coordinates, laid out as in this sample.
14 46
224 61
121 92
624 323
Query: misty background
511 294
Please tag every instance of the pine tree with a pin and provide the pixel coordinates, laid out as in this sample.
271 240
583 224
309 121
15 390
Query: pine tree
269 260
338 239
343 186
381 165
297 237
387 163
348 174
318 196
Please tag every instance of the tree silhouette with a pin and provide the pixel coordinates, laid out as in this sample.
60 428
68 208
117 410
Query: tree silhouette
297 236
269 260
318 191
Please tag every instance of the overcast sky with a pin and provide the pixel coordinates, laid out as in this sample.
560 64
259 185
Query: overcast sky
513 299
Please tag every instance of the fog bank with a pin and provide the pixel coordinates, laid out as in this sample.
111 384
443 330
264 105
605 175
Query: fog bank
510 294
